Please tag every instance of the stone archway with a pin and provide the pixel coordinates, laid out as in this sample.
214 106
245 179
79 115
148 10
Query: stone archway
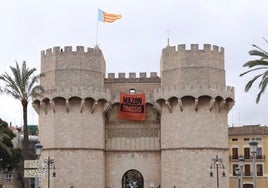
132 179
247 186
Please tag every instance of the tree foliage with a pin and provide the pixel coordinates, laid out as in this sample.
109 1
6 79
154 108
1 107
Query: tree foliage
260 67
22 84
9 157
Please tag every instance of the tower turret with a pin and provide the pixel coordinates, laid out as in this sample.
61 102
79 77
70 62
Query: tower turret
64 67
71 119
195 103
192 67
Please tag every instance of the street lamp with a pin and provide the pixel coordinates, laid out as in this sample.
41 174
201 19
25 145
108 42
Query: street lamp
253 148
49 163
239 171
217 164
238 174
241 161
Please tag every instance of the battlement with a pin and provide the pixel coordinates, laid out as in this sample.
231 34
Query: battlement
68 50
195 47
143 78
132 75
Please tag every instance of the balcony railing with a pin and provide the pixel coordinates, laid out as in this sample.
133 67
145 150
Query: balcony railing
250 174
247 157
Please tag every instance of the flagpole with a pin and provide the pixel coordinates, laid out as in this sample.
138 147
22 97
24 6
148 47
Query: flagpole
97 26
97 32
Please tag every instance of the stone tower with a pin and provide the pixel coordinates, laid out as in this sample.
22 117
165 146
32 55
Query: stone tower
185 125
194 120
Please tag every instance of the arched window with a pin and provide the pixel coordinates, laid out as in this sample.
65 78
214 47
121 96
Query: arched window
132 179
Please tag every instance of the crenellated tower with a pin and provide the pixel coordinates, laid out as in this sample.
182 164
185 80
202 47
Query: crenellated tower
195 103
70 115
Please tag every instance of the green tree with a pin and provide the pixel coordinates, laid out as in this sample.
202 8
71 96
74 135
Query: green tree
9 156
5 140
22 84
260 67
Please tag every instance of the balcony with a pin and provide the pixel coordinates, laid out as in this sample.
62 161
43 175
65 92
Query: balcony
234 158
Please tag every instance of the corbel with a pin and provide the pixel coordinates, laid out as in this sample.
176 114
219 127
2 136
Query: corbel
157 107
212 104
180 104
94 106
43 106
52 104
67 105
169 106
107 106
82 105
196 104
222 104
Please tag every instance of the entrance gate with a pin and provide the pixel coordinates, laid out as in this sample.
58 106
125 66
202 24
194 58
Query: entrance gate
132 179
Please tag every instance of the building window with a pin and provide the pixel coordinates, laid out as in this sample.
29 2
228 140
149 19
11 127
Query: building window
234 153
259 139
9 177
234 166
234 139
247 170
247 153
259 170
259 153
246 139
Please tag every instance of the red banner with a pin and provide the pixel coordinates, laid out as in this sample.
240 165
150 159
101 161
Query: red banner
132 106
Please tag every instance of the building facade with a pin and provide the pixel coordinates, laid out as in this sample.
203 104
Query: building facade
185 125
239 138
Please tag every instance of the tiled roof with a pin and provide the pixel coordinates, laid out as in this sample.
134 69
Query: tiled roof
248 130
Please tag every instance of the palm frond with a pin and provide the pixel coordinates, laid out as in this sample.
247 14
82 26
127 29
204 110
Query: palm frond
242 74
249 84
254 63
263 55
262 88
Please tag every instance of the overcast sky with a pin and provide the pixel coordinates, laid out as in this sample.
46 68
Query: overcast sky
30 26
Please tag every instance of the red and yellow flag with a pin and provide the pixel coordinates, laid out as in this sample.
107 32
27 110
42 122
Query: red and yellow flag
107 17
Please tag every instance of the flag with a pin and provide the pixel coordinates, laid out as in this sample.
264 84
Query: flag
107 17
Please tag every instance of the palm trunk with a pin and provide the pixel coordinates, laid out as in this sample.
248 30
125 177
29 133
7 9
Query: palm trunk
25 130
26 137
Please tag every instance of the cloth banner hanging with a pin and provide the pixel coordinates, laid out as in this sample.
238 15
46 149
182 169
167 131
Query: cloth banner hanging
132 106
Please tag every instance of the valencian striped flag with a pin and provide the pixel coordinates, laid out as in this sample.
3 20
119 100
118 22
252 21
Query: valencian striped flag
107 17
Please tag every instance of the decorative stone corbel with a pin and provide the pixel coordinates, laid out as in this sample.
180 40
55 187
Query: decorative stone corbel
157 107
52 104
196 104
107 106
82 105
67 105
94 106
221 105
43 106
212 104
169 106
180 104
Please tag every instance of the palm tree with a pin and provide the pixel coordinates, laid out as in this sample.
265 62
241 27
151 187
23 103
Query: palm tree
260 66
22 84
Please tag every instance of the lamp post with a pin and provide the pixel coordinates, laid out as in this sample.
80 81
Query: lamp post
49 163
217 164
241 161
238 174
253 148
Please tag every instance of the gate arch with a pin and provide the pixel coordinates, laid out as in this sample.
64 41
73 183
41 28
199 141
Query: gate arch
132 179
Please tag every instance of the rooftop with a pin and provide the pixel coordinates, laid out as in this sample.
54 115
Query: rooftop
248 130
